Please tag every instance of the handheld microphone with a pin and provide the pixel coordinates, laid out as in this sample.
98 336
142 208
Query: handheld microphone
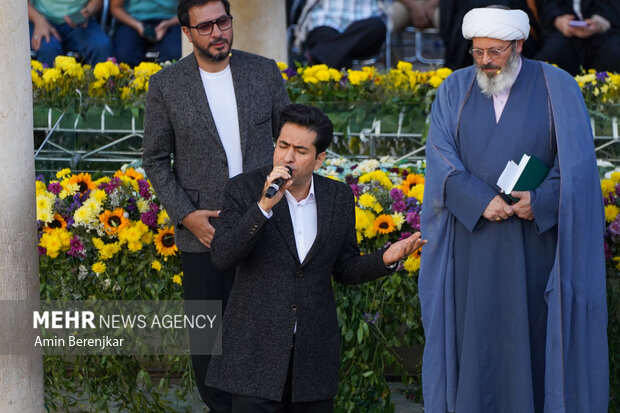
274 187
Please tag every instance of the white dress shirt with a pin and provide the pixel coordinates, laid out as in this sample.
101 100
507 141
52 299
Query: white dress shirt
499 100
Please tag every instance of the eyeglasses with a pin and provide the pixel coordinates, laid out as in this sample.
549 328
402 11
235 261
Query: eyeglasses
206 28
492 53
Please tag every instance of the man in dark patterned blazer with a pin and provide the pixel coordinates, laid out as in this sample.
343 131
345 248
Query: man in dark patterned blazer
280 335
216 112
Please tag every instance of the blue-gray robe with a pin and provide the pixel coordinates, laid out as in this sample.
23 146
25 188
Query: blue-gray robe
574 307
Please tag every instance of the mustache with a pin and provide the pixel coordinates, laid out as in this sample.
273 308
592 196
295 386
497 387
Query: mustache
221 39
489 66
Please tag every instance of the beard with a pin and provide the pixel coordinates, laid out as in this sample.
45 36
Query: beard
217 57
494 83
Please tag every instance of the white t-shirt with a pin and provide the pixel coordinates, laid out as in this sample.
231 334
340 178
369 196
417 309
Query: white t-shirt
223 104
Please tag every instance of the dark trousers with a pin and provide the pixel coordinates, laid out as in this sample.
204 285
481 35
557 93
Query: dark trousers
131 47
202 281
360 40
249 404
600 52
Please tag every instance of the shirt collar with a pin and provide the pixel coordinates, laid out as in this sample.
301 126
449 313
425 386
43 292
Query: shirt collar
308 199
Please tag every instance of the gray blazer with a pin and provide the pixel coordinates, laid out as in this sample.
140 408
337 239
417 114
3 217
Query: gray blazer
178 122
272 290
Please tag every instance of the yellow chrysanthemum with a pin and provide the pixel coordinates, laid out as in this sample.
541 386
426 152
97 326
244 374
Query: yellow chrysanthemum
164 241
399 220
99 195
377 176
98 267
615 177
52 244
607 186
412 263
40 187
156 265
404 66
143 205
617 261
443 72
282 66
108 251
36 65
177 278
162 217
45 202
104 70
367 200
384 224
68 190
417 192
62 173
611 212
435 81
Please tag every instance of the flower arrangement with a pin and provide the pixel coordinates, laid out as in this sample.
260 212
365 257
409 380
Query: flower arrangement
108 238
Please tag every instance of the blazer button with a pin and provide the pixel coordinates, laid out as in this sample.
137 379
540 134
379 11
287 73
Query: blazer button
294 307
300 273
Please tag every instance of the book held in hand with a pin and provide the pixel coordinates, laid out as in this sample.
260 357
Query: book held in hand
526 176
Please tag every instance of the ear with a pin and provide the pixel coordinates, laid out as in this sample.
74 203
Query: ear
519 46
187 33
319 160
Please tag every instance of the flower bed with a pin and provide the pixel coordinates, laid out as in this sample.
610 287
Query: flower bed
109 239
400 96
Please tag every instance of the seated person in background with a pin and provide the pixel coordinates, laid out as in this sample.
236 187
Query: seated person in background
421 14
58 27
336 32
581 33
457 47
146 25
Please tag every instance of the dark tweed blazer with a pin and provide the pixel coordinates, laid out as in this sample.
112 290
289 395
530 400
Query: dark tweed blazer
179 122
272 289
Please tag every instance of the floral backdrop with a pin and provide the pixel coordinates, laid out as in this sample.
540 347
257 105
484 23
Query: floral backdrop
107 236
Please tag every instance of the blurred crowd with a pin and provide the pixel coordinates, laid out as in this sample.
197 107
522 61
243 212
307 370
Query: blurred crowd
573 34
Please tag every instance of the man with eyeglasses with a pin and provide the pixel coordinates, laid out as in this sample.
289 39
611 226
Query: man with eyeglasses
215 112
512 292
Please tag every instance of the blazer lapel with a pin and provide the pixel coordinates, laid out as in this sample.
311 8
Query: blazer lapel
324 212
282 218
243 92
199 101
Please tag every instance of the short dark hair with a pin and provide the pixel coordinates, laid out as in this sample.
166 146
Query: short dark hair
310 118
185 5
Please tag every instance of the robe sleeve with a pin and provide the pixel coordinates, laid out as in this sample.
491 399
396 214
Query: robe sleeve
467 197
546 199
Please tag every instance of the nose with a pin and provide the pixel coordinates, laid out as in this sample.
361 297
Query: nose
486 59
289 155
216 31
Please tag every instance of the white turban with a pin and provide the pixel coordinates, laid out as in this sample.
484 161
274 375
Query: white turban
494 23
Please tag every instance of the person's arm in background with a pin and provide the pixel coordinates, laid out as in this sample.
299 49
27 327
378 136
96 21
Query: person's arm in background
119 13
89 10
43 29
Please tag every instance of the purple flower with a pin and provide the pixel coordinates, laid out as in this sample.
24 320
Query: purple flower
40 178
55 188
399 206
144 188
350 179
109 187
42 250
149 218
290 72
396 194
608 253
370 319
413 218
404 235
357 191
614 227
76 248
131 204
601 76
